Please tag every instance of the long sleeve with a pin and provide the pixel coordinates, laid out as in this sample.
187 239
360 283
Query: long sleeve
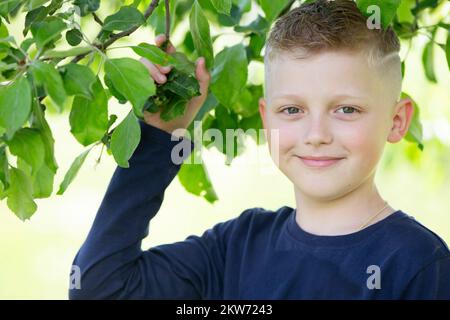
431 283
111 262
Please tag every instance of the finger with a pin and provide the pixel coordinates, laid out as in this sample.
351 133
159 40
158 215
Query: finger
170 48
202 75
154 71
163 69
159 39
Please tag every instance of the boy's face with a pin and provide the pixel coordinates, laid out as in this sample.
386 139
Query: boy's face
314 104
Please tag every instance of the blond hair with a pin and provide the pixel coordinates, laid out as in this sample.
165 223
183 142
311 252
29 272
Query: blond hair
325 25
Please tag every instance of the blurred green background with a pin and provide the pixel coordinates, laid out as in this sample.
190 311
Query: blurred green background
36 255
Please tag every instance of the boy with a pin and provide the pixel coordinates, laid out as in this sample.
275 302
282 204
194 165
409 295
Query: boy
332 95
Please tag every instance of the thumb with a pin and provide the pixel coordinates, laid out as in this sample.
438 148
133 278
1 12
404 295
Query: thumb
201 72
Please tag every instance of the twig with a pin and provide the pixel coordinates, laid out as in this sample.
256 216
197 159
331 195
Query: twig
97 19
119 35
99 157
166 2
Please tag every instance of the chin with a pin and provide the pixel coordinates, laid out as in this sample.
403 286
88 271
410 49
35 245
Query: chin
319 191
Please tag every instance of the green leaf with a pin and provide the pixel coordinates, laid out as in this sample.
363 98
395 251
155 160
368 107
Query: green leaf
247 103
388 9
126 18
182 63
47 31
33 4
113 91
39 122
42 180
403 66
4 177
89 118
26 44
236 13
259 26
173 109
209 104
27 144
78 80
415 130
132 80
55 5
20 194
229 75
66 53
254 122
199 27
3 30
404 13
227 119
182 84
74 37
222 6
9 7
73 171
87 6
195 179
15 104
34 16
272 8
255 46
447 50
153 54
2 190
125 139
428 61
46 75
424 4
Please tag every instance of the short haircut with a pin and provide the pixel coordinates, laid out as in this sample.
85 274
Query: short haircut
325 25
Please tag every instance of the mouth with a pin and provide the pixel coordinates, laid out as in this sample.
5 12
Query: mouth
319 162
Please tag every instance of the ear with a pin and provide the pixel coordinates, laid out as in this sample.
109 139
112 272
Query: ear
403 113
262 111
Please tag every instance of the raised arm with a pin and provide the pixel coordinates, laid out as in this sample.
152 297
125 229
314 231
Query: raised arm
111 262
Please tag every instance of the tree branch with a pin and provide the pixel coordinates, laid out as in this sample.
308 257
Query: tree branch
119 35
166 2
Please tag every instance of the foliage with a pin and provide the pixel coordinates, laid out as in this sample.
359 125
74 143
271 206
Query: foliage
38 71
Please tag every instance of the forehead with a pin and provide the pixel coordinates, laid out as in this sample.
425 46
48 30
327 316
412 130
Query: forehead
327 73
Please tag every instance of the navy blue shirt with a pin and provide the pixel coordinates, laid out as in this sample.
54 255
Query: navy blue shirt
260 254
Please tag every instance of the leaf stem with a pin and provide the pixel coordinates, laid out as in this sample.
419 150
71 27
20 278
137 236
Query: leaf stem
100 156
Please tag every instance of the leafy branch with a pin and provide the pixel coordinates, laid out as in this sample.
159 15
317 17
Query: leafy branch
114 37
32 78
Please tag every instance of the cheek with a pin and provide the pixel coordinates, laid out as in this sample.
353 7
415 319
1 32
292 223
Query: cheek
282 134
363 140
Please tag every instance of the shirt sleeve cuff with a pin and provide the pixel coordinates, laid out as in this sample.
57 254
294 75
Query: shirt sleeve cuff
152 134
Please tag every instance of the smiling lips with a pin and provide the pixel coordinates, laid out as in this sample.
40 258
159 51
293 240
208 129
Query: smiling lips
319 162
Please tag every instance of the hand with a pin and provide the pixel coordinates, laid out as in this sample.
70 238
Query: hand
158 74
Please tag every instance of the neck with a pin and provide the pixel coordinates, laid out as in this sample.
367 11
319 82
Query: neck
341 215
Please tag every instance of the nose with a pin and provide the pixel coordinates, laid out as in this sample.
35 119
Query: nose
317 130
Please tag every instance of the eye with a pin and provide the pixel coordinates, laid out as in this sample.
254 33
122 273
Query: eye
291 110
349 109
